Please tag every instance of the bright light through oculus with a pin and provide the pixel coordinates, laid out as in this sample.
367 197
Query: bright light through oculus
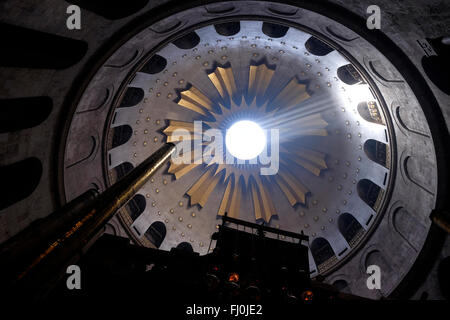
245 140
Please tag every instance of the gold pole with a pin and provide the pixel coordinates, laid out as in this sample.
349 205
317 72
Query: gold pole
70 243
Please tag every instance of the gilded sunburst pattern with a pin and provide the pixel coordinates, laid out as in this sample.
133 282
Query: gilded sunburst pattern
256 103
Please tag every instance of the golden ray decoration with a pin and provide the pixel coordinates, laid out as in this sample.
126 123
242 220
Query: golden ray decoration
193 99
311 160
180 125
223 80
200 191
258 81
262 202
292 188
291 95
240 178
231 199
181 169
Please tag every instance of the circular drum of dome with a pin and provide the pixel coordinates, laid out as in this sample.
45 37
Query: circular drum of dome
351 166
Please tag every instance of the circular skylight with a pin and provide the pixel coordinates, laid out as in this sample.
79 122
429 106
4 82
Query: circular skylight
245 140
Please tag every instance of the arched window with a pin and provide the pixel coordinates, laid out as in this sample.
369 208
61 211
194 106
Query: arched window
369 112
317 47
185 246
376 151
349 75
121 135
27 48
136 206
188 41
228 28
19 180
132 97
154 65
350 228
23 113
123 169
156 233
274 30
322 253
369 192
